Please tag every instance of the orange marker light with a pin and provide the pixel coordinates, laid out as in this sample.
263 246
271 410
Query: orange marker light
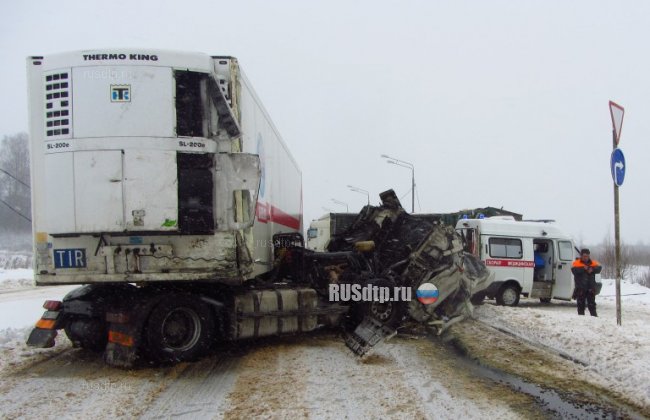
120 338
46 324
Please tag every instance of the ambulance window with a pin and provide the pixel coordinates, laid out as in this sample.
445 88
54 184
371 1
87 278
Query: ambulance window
566 250
505 248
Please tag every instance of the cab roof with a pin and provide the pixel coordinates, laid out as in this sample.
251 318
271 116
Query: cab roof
509 227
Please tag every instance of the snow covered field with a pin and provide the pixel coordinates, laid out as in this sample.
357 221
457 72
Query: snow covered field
616 356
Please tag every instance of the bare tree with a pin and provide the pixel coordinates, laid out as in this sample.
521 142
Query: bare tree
605 253
15 208
644 278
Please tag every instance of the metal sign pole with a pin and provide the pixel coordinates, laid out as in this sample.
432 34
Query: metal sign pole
617 163
617 245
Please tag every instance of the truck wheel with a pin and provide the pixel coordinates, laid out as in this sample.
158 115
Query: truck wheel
508 295
545 300
179 328
388 313
87 333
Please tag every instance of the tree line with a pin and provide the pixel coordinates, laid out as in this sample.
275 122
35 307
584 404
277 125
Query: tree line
15 194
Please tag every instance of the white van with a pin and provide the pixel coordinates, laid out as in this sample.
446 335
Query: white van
530 258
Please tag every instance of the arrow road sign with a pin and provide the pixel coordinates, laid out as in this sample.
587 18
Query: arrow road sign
617 163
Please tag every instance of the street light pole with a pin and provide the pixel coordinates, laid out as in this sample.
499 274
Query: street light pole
408 165
341 203
360 191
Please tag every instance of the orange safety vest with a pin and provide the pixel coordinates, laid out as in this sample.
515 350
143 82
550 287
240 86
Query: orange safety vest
579 264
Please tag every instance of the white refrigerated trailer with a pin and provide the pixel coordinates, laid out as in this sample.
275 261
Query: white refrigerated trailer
154 166
158 181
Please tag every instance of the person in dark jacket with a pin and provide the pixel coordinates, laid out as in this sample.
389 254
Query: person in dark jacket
584 274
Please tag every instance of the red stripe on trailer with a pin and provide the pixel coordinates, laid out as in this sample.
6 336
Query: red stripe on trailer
510 263
268 213
282 218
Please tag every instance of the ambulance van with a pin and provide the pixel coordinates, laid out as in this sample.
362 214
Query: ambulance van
529 258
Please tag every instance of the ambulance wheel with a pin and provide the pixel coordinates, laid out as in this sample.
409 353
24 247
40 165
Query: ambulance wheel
545 300
179 329
508 295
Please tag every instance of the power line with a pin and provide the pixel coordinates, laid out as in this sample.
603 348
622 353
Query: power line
17 180
16 211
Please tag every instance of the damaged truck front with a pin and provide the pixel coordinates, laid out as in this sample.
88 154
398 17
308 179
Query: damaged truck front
401 252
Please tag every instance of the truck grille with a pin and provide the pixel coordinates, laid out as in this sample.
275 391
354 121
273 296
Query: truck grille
57 104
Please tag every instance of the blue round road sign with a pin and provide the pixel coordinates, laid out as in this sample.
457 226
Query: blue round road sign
617 163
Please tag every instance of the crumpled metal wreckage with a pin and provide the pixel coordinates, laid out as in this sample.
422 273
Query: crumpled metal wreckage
389 247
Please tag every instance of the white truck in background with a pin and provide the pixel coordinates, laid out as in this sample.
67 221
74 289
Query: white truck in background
320 231
530 258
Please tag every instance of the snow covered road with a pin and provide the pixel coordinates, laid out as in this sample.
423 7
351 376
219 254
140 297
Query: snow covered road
313 376
316 376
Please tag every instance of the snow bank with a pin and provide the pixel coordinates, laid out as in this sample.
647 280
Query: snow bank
618 356
19 278
14 351
9 336
633 292
10 260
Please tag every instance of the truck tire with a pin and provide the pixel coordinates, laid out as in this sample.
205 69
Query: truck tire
180 328
88 333
545 300
508 295
388 313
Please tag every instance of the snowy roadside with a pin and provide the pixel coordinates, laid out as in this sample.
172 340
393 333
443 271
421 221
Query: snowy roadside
618 357
15 259
20 307
17 278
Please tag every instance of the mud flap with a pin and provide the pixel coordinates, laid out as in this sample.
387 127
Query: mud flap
367 335
120 356
123 344
41 338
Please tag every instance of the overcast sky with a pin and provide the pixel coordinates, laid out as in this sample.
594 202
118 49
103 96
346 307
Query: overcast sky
496 103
